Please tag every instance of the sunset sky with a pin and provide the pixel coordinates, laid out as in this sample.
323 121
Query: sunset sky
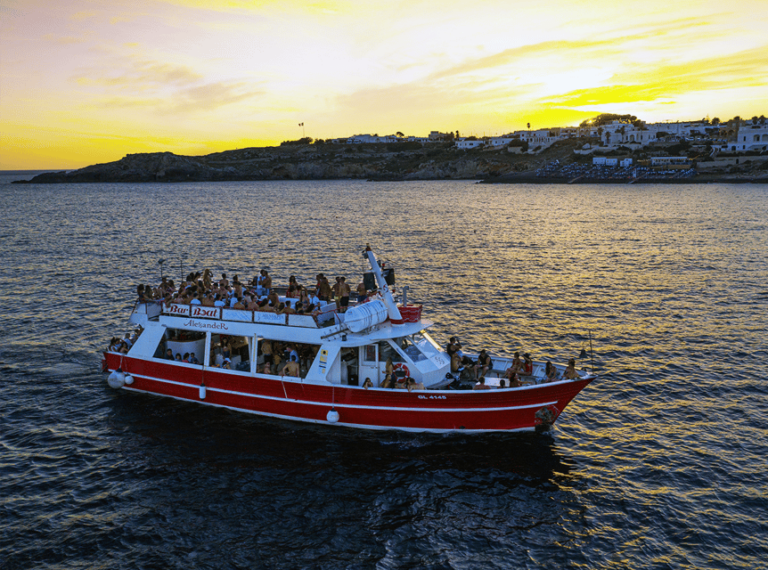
88 81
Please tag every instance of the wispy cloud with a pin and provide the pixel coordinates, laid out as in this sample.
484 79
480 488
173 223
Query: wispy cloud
214 95
139 72
662 82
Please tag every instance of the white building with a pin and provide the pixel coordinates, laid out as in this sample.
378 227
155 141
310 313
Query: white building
465 144
749 137
500 141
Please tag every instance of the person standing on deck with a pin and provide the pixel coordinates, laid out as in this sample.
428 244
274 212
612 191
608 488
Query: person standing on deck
336 291
344 292
324 289
362 292
266 283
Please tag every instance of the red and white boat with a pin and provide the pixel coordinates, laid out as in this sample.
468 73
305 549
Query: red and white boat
339 350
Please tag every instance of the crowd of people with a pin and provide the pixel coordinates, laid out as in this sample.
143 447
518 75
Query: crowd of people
258 294
123 345
519 373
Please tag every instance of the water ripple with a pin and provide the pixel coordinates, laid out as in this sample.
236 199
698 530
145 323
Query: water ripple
659 464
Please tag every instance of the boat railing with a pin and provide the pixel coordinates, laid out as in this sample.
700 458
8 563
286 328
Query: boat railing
149 308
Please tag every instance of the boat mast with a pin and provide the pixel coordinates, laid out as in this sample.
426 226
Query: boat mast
389 301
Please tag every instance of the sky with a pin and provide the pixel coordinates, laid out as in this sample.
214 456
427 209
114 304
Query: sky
89 81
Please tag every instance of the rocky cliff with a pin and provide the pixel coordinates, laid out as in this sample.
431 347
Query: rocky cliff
397 161
305 162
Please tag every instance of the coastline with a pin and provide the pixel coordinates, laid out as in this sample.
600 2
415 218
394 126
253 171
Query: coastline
372 162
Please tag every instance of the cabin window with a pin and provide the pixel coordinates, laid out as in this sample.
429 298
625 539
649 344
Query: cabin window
232 347
425 343
407 345
273 355
182 343
387 351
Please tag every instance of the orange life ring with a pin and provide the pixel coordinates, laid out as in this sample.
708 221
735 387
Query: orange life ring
399 368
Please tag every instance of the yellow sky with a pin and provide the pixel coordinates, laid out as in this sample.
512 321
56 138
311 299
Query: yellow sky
88 81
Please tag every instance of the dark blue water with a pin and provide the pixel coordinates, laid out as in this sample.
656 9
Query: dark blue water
661 463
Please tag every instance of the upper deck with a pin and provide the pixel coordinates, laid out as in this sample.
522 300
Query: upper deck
327 318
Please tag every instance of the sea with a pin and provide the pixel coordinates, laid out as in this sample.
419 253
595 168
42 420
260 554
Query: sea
659 463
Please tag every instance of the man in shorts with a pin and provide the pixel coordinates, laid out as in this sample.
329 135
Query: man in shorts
344 292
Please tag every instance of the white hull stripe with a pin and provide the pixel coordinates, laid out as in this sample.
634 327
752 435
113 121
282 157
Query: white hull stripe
327 423
338 405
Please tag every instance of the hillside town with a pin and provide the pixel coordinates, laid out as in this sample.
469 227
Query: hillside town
607 148
620 146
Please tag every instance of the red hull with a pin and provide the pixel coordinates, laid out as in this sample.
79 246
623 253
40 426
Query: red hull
437 411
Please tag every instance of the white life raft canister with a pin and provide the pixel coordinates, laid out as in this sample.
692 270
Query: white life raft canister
364 316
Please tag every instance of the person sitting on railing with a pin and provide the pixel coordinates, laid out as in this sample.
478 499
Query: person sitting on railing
195 299
288 309
411 384
140 293
551 371
388 382
218 301
517 364
570 372
456 365
484 363
527 369
253 305
224 282
502 384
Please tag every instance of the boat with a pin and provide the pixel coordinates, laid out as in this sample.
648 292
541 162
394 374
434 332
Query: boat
331 350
